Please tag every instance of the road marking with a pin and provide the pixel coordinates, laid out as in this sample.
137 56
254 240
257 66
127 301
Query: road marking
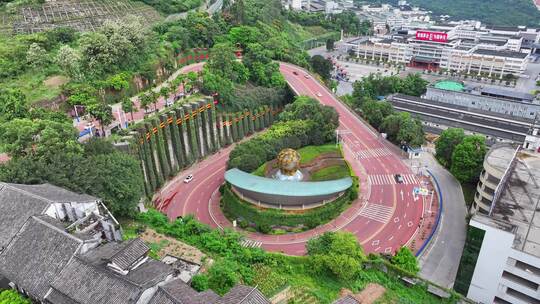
388 179
391 238
375 243
372 153
377 212
388 250
250 243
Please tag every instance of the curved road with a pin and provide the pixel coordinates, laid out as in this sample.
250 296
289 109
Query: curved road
385 216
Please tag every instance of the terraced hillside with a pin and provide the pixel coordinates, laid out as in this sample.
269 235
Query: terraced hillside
82 15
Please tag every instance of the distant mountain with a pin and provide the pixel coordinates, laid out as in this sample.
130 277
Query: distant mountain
494 12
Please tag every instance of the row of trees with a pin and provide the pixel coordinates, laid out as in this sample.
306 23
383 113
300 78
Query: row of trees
375 85
462 154
43 146
401 128
303 122
346 21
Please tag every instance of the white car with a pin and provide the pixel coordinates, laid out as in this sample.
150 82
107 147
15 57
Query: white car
306 76
188 179
319 94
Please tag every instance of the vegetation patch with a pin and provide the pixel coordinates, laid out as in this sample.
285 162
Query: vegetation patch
330 173
309 274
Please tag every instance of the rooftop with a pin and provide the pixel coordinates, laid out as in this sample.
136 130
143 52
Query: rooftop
450 85
507 93
37 254
259 184
507 54
24 201
516 209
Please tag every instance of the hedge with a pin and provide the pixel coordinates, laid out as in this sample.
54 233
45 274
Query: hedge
235 208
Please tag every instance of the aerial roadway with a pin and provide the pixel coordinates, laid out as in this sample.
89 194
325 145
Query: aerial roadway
385 216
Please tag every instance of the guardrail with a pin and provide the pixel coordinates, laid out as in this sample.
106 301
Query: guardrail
430 237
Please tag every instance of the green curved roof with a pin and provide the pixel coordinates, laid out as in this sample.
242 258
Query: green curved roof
450 86
250 182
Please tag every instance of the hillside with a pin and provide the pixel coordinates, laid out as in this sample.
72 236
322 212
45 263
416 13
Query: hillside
495 12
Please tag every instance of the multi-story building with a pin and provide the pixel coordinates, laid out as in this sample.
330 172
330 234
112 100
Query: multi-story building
501 260
466 47
502 116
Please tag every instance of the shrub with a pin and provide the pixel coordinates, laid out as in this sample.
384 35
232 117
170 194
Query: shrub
199 282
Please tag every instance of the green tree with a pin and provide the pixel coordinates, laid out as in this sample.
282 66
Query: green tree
322 66
446 143
200 282
329 44
468 157
405 260
13 104
413 85
36 56
69 61
116 178
38 138
222 276
145 100
336 252
12 297
128 106
101 112
376 111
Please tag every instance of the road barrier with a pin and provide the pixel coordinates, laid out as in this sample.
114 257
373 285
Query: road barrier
428 240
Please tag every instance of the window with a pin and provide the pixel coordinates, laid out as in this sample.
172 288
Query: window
518 295
498 300
519 280
527 268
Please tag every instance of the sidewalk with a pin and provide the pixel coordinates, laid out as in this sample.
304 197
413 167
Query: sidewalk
121 118
440 260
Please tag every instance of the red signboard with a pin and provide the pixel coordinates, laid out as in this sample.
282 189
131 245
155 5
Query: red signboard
431 36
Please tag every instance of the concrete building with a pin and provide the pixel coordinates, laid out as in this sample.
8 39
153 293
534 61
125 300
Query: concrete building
465 48
502 116
505 256
296 4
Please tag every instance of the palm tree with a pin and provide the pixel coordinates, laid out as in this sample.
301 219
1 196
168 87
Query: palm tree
146 99
164 92
155 98
128 106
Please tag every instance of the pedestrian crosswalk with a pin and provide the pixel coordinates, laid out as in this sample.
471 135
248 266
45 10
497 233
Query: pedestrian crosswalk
377 212
372 153
389 179
250 243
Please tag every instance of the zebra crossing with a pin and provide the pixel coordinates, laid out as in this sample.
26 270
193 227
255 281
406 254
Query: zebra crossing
377 212
250 243
388 179
372 153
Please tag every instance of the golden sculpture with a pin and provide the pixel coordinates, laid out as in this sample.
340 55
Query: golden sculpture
288 161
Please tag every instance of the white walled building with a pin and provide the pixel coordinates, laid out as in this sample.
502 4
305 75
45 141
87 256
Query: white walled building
465 47
507 229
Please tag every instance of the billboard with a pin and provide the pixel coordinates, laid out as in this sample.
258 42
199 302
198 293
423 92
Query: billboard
431 36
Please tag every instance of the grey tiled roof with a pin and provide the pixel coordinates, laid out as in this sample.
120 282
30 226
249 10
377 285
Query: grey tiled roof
36 255
178 292
130 254
88 280
19 202
241 294
347 300
85 283
54 193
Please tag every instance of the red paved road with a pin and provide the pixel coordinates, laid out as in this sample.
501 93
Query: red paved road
384 218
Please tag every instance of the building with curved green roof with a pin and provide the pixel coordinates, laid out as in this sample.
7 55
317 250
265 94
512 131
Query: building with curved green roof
285 194
449 85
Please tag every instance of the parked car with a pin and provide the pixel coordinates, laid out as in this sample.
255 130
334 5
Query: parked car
295 72
306 76
188 178
398 178
319 94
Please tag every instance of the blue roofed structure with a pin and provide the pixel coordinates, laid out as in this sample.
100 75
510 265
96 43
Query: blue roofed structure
285 194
